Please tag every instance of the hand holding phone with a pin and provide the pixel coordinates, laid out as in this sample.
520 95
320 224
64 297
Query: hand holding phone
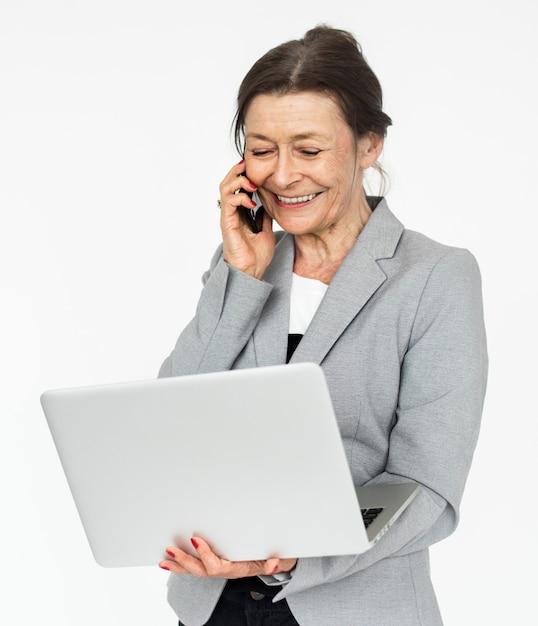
247 253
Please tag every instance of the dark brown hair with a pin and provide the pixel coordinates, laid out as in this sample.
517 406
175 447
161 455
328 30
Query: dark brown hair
325 60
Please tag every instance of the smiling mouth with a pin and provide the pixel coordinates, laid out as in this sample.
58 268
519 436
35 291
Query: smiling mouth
297 199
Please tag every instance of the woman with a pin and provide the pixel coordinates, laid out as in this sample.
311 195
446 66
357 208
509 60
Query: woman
394 319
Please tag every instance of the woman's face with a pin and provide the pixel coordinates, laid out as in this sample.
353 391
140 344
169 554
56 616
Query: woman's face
306 162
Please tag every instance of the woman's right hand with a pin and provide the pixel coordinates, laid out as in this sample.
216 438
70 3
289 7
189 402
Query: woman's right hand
247 251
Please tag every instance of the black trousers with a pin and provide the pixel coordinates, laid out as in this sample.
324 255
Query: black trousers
250 608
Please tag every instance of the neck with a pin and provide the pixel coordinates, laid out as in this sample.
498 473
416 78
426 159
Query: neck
320 255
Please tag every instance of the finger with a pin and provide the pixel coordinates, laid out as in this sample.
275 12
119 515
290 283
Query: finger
246 183
235 181
240 167
183 563
212 563
216 566
236 193
271 566
230 217
172 566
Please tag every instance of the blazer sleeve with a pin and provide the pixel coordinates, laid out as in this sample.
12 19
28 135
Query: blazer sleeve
442 389
228 310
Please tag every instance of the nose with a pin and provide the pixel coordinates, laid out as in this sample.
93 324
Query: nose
285 172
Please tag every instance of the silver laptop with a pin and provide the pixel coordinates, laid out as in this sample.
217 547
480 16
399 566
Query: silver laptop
251 460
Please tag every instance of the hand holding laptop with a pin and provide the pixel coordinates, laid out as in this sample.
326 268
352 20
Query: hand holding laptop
210 564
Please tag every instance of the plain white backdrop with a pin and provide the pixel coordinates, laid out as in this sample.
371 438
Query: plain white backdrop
114 136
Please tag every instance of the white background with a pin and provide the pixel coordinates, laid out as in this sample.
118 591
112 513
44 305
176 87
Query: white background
114 136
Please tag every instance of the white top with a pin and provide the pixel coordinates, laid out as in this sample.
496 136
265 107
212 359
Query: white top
306 295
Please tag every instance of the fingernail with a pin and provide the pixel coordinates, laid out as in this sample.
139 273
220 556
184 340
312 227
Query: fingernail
252 185
164 567
194 543
253 203
241 162
170 553
275 570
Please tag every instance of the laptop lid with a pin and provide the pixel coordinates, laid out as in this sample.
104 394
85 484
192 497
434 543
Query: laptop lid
251 460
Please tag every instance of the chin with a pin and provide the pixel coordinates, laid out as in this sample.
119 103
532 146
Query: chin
294 226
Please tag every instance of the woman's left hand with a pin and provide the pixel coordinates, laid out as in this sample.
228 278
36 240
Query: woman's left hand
208 564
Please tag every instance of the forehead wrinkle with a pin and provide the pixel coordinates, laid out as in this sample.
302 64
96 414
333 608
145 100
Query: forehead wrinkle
292 118
297 137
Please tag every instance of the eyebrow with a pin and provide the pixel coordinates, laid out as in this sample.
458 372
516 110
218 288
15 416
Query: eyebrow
298 137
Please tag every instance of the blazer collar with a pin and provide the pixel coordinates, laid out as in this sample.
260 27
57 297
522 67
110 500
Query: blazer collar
356 280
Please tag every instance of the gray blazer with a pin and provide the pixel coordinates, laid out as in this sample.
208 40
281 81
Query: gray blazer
400 336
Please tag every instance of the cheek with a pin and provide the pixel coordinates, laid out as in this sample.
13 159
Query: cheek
345 175
255 171
332 170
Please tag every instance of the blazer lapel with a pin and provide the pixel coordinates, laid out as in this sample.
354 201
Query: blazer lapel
357 279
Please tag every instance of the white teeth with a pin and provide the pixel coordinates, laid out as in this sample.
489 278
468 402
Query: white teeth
285 200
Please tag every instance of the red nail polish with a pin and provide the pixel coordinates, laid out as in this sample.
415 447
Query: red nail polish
164 567
241 162
252 185
194 543
275 570
170 553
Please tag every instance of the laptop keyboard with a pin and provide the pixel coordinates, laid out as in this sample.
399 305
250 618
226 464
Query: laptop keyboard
369 515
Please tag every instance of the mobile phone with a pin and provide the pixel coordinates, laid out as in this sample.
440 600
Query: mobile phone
253 217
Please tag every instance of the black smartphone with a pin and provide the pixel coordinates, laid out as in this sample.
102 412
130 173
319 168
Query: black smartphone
253 217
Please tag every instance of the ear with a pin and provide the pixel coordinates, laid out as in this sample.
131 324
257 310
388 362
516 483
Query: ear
369 148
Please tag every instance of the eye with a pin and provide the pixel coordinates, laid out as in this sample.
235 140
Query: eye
310 152
261 152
